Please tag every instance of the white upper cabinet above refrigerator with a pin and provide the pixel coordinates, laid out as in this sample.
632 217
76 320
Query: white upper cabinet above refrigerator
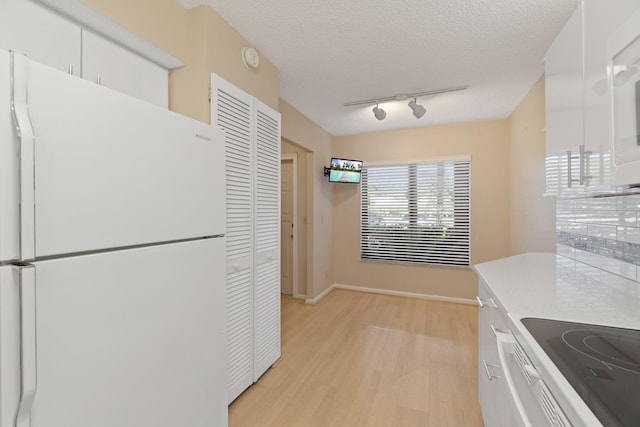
47 37
61 34
109 64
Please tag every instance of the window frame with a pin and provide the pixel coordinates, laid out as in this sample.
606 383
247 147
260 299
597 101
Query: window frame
413 232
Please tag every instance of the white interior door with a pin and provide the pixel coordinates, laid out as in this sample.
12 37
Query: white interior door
266 300
253 231
286 226
231 111
126 339
114 171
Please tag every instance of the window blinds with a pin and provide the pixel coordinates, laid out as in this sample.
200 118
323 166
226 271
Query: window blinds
416 213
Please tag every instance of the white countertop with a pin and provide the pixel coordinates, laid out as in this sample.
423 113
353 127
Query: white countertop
551 286
554 287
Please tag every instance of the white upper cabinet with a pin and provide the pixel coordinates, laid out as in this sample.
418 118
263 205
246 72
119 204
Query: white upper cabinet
563 98
46 37
601 19
109 64
623 48
563 74
62 34
579 126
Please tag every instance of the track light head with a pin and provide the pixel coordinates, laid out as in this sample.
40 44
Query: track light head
418 110
379 113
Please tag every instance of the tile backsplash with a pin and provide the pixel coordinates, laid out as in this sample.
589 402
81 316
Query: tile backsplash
601 231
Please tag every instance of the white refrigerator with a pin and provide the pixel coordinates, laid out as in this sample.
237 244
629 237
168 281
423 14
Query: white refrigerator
112 294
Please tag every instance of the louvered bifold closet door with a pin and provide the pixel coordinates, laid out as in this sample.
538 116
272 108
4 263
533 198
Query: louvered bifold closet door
231 110
267 239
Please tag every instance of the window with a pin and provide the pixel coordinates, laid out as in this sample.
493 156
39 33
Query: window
416 213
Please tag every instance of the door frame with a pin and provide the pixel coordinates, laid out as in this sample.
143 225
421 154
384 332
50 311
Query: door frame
294 157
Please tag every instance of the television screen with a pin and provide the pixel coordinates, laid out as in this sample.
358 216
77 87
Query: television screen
345 171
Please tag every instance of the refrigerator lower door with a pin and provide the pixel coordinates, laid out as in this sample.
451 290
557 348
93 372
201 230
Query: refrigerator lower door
127 339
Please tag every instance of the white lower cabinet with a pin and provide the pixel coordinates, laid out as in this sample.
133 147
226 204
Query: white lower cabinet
492 392
487 360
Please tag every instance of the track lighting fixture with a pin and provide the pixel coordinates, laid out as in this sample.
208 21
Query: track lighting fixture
379 112
417 109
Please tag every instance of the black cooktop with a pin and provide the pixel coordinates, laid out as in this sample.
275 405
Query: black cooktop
600 362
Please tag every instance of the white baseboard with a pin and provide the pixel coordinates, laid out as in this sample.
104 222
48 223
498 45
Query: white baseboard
402 294
317 299
326 292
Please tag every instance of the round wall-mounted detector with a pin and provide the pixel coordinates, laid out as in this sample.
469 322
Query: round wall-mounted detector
250 58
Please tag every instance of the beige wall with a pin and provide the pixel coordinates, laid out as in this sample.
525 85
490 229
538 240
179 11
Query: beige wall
162 22
225 59
300 130
488 145
532 214
303 207
189 85
203 41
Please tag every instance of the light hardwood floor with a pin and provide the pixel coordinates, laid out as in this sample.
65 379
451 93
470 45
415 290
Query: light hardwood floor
359 359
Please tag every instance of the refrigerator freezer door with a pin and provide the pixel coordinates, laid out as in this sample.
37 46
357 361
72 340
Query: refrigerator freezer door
9 193
114 171
127 339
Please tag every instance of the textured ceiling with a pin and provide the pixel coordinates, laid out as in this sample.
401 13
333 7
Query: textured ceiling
333 51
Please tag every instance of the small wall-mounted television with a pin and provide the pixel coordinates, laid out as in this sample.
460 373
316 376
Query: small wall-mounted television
345 171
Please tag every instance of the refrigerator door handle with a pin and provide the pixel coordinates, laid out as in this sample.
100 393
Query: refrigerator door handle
26 150
28 357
